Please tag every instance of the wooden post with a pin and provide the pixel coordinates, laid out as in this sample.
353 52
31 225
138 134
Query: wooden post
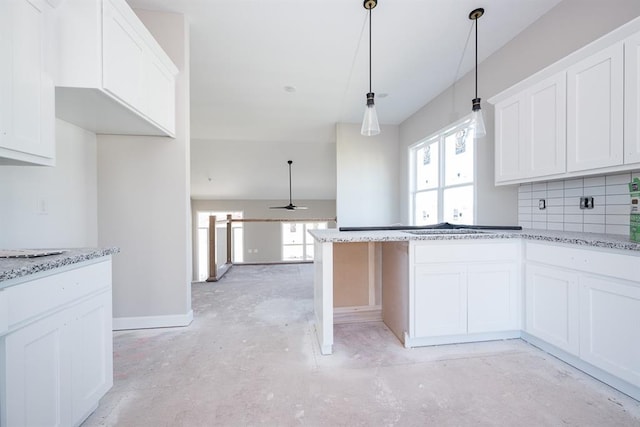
212 250
229 237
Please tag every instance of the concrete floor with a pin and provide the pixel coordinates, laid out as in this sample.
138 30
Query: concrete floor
250 358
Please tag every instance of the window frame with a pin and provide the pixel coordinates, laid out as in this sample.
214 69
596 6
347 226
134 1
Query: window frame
439 138
306 226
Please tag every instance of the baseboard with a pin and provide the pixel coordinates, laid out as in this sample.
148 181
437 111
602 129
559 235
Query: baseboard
149 322
618 383
459 339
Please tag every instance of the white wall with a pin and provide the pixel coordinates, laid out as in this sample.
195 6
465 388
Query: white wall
367 176
52 207
567 27
144 206
258 170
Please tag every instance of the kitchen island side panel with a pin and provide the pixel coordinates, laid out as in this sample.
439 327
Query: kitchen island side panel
395 287
323 295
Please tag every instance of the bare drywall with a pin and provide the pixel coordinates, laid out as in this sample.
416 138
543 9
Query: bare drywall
565 28
52 207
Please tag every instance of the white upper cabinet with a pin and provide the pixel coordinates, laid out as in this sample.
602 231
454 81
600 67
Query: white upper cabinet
114 78
595 94
579 116
27 133
530 132
632 100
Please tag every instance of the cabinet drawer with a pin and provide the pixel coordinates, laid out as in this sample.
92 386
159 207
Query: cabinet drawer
621 266
41 296
445 251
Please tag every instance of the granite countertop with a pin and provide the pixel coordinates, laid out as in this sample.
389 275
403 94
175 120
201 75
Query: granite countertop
13 268
609 241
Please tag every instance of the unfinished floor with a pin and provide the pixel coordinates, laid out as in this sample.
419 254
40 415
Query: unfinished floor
250 358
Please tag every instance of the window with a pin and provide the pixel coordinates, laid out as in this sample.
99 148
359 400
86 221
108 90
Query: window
221 240
297 243
441 182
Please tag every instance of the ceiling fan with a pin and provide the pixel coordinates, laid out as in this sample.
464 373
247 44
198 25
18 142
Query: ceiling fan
290 206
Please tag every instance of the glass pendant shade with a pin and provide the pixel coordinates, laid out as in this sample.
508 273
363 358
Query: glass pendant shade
370 125
477 123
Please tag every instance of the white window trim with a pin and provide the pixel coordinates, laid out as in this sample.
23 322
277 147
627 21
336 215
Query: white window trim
441 169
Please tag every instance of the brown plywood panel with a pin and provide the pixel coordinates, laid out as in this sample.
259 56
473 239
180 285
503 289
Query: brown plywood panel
395 287
350 274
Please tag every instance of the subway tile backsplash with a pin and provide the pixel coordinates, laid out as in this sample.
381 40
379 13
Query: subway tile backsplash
610 214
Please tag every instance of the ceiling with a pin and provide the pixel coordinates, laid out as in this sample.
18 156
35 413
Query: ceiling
245 52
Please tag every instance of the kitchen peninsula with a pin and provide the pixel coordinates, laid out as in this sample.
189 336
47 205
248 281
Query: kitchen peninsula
56 347
575 295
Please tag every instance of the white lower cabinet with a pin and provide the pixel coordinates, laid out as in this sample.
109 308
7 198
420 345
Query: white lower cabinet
37 366
583 306
56 356
493 297
552 306
456 301
91 334
610 326
440 303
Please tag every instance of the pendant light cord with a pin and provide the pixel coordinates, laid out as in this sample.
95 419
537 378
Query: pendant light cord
476 22
370 51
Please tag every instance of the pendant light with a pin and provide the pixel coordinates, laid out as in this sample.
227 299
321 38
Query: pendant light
370 125
477 121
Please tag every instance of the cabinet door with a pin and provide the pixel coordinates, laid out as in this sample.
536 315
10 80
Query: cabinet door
509 139
160 94
632 100
123 58
595 98
546 141
92 354
609 331
531 132
440 300
37 369
492 297
26 88
552 306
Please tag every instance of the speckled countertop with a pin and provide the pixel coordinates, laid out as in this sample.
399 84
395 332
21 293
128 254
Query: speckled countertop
13 268
581 239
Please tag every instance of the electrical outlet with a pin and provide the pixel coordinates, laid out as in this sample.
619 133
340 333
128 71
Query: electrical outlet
586 202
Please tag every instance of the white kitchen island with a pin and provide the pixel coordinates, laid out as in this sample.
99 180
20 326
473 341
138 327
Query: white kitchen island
56 345
575 295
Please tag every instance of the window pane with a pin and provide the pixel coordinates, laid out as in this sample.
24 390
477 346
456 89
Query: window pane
426 208
458 158
458 205
292 233
426 161
309 252
292 252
